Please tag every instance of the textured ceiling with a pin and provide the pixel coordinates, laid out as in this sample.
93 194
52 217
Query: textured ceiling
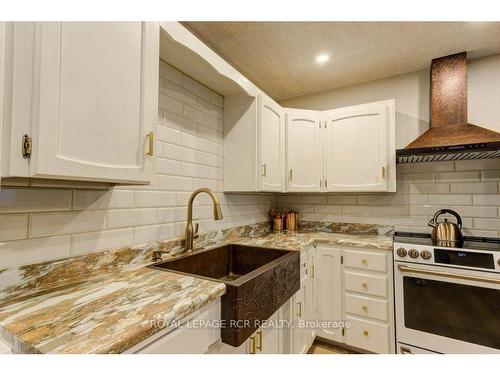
279 57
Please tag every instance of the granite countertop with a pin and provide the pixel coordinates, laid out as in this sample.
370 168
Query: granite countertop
297 240
107 302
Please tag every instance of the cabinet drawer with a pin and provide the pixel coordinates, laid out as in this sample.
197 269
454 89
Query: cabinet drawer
368 284
366 260
367 307
366 335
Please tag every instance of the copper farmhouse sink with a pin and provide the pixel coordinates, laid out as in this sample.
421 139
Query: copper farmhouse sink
258 282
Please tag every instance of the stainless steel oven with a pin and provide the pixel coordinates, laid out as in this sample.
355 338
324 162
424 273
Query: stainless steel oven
447 299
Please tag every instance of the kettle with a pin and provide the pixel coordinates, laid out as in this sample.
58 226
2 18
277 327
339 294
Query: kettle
445 233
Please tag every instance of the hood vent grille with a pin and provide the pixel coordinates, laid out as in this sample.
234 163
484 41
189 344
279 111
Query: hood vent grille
450 137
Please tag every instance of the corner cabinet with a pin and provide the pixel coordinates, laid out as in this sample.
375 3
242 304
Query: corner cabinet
254 136
359 148
81 101
303 151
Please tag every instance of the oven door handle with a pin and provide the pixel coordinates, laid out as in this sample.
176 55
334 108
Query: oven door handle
449 275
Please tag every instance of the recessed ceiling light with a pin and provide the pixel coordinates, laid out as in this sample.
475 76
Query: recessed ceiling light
323 58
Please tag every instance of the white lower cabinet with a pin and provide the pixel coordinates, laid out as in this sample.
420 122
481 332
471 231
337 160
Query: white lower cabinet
355 289
328 304
265 340
193 335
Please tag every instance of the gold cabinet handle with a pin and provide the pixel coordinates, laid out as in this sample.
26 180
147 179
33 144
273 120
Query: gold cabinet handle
450 275
312 272
264 170
365 333
364 261
290 174
259 335
299 313
151 143
364 285
365 308
383 172
252 344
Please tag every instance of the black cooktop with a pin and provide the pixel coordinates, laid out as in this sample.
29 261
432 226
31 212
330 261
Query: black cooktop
473 243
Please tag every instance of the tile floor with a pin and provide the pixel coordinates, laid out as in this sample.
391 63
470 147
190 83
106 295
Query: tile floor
319 347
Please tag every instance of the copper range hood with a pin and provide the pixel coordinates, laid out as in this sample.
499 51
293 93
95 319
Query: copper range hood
450 137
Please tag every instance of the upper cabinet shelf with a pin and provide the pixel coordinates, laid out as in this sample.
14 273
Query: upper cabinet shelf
81 101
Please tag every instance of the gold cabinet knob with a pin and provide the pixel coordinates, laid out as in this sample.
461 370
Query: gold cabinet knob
365 333
364 284
364 261
365 308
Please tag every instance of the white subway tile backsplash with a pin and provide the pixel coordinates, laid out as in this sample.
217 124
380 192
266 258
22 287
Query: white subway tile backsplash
58 223
169 72
474 187
196 87
131 217
450 199
153 232
374 199
437 188
85 243
102 199
490 175
154 198
476 211
488 224
486 199
458 176
31 200
476 165
16 253
13 227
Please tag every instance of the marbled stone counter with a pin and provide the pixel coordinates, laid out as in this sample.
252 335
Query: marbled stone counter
297 240
106 314
106 302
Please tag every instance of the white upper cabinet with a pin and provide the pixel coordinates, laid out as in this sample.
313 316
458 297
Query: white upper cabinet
359 148
271 144
93 100
254 137
303 151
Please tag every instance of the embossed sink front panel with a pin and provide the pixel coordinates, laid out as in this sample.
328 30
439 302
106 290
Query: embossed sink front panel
258 298
258 282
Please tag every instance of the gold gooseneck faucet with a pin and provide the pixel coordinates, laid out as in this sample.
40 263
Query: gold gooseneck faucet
189 225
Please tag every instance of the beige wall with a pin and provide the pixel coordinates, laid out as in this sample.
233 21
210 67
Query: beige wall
44 224
470 187
411 92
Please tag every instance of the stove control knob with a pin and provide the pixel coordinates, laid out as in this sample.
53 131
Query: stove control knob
413 253
401 252
426 254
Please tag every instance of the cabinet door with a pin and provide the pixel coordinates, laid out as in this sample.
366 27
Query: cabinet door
96 100
310 302
328 291
303 151
271 145
268 337
299 317
357 147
